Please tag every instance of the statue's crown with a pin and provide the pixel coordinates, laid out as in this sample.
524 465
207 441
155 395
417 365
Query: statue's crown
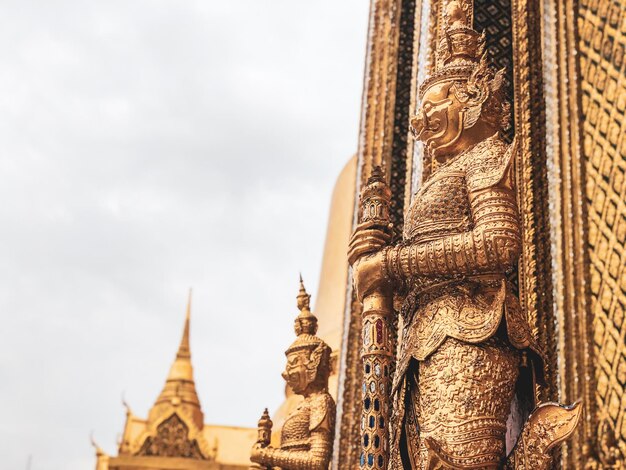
305 324
461 49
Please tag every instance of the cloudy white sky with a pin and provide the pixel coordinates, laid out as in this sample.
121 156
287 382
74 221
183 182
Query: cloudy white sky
149 146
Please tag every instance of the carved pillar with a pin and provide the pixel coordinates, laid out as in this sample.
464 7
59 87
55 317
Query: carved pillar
568 227
535 266
377 352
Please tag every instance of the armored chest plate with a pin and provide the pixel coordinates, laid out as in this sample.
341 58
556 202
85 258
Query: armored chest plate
295 433
440 207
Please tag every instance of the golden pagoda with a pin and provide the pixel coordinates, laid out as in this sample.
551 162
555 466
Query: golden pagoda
174 436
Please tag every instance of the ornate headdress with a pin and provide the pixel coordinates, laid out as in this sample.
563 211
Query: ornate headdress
305 327
305 324
461 58
461 49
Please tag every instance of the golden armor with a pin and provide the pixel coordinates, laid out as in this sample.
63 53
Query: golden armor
307 434
465 338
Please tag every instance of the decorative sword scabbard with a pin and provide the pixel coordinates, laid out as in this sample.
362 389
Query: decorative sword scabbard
377 348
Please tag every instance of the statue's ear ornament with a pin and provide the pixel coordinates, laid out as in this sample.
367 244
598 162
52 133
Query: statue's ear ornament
319 358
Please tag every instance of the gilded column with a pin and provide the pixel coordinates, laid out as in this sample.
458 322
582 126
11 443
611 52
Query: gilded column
377 353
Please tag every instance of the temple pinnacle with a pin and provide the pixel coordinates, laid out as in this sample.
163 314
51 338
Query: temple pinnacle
180 388
183 349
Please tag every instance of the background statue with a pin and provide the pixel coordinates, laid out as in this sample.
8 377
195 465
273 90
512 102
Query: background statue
307 435
466 346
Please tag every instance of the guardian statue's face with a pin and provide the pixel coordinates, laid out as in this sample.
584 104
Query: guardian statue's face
295 373
439 122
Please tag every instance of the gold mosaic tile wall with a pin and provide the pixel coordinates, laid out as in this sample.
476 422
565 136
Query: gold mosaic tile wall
602 28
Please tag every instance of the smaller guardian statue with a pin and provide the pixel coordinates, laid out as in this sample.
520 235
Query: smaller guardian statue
307 435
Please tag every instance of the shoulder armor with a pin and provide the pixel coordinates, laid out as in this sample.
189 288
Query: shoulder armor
322 412
491 165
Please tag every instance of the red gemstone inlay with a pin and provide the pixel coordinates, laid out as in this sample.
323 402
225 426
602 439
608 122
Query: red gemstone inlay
379 331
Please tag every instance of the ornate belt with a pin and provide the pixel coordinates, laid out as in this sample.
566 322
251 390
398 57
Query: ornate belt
420 296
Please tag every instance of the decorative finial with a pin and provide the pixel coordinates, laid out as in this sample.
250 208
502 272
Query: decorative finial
265 429
306 322
377 175
376 199
125 404
98 449
265 420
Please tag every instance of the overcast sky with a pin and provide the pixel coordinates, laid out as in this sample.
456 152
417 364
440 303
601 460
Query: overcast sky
147 147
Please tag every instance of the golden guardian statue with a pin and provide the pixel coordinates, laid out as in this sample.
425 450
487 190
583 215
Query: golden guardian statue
307 434
466 346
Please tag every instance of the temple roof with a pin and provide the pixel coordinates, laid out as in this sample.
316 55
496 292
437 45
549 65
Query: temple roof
149 443
180 388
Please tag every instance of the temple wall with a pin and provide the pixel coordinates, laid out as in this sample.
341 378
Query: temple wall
602 28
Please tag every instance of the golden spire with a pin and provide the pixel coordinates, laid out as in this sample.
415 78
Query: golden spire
180 387
183 349
182 369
